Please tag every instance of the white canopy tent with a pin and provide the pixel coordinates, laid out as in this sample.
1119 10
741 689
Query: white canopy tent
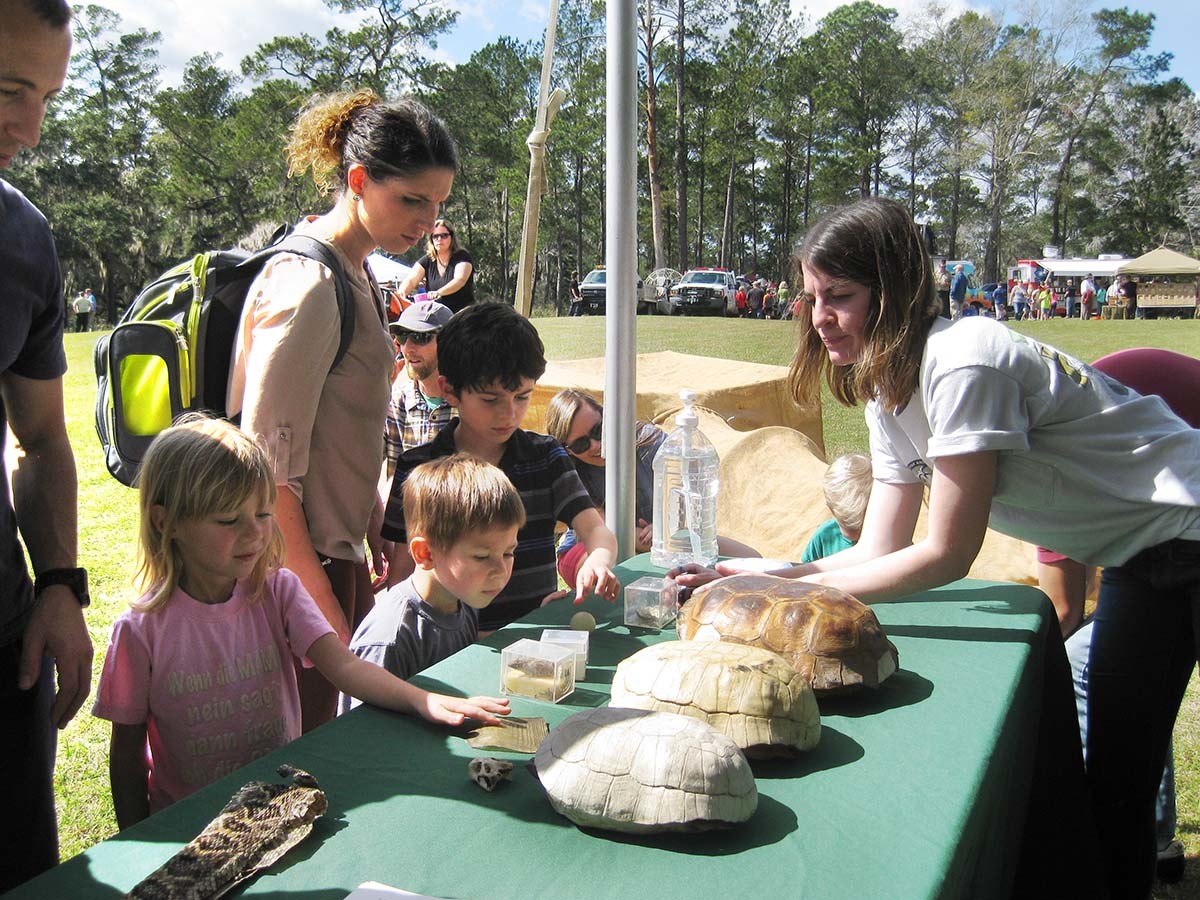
1077 268
386 269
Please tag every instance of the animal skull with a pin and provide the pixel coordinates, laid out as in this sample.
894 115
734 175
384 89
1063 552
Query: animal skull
488 772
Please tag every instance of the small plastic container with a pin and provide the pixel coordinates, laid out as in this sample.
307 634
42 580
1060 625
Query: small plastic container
540 671
577 641
651 602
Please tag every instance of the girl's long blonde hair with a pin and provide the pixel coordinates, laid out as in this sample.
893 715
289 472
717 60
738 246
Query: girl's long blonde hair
198 467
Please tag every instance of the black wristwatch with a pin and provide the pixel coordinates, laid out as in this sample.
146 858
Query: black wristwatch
75 579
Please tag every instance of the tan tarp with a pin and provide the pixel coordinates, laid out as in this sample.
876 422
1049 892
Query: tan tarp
745 395
771 499
1161 262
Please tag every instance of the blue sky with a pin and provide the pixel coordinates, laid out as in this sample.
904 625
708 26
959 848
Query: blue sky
226 28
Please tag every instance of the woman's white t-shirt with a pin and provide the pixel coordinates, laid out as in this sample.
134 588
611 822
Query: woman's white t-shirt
1086 466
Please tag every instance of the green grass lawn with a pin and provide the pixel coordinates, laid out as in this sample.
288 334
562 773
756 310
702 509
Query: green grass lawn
108 522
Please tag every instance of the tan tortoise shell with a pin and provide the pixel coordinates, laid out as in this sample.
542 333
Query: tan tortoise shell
831 638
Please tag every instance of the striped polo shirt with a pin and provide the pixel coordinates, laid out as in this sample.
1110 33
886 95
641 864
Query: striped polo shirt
551 491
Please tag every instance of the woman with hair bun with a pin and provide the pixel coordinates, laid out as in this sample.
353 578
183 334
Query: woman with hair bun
390 166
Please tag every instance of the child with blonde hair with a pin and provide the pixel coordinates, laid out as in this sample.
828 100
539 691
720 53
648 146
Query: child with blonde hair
847 488
200 668
462 515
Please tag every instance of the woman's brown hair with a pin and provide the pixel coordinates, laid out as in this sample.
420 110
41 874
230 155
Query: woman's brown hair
875 243
398 139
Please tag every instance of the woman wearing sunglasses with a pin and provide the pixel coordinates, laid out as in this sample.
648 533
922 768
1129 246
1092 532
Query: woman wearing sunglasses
447 270
575 419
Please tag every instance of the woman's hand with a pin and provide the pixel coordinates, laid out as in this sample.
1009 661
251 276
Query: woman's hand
693 575
753 564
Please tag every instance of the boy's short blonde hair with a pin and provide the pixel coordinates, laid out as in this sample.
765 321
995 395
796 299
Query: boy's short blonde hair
453 496
847 487
198 467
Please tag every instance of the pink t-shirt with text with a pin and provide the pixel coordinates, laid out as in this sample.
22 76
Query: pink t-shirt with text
214 683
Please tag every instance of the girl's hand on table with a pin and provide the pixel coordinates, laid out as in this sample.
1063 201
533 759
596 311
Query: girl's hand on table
446 710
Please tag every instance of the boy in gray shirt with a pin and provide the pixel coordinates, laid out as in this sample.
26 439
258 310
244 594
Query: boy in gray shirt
463 515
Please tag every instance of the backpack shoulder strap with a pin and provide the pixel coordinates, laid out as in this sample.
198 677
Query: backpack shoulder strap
303 245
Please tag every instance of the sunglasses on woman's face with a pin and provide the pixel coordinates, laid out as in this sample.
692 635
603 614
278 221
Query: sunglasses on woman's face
582 445
420 338
441 236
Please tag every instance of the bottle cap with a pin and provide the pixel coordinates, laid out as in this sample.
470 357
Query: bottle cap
687 416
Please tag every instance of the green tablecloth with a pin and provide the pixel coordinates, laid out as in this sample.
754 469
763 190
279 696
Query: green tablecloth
918 790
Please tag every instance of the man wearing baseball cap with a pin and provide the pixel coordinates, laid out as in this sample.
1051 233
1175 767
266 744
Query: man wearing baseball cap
417 411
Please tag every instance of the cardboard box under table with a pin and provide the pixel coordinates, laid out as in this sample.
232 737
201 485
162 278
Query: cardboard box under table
918 790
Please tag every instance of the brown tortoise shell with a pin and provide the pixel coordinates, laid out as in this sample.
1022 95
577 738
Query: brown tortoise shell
827 635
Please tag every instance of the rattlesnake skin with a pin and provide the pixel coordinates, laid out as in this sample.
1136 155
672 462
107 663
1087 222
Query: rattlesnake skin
257 826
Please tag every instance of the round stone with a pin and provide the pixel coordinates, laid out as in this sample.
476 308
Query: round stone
583 621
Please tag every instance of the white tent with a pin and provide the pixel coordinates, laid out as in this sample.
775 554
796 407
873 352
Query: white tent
1077 268
386 269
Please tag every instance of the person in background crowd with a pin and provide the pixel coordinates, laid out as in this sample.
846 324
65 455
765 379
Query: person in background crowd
1000 301
1020 299
1045 302
1087 297
42 628
446 269
784 300
755 298
958 293
392 166
1129 292
576 296
84 305
941 278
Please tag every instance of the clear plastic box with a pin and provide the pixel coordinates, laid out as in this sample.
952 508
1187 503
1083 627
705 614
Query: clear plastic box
536 670
577 641
651 602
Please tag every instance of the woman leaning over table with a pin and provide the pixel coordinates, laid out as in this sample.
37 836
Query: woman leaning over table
1006 431
447 270
391 166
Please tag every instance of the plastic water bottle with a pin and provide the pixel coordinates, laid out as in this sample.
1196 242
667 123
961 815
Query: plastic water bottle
685 494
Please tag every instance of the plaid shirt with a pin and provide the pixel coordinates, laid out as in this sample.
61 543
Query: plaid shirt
410 420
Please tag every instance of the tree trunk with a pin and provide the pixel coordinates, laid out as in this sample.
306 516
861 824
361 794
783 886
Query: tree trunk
727 221
681 168
652 161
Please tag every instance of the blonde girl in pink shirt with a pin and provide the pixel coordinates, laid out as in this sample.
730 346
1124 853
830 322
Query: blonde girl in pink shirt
199 678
